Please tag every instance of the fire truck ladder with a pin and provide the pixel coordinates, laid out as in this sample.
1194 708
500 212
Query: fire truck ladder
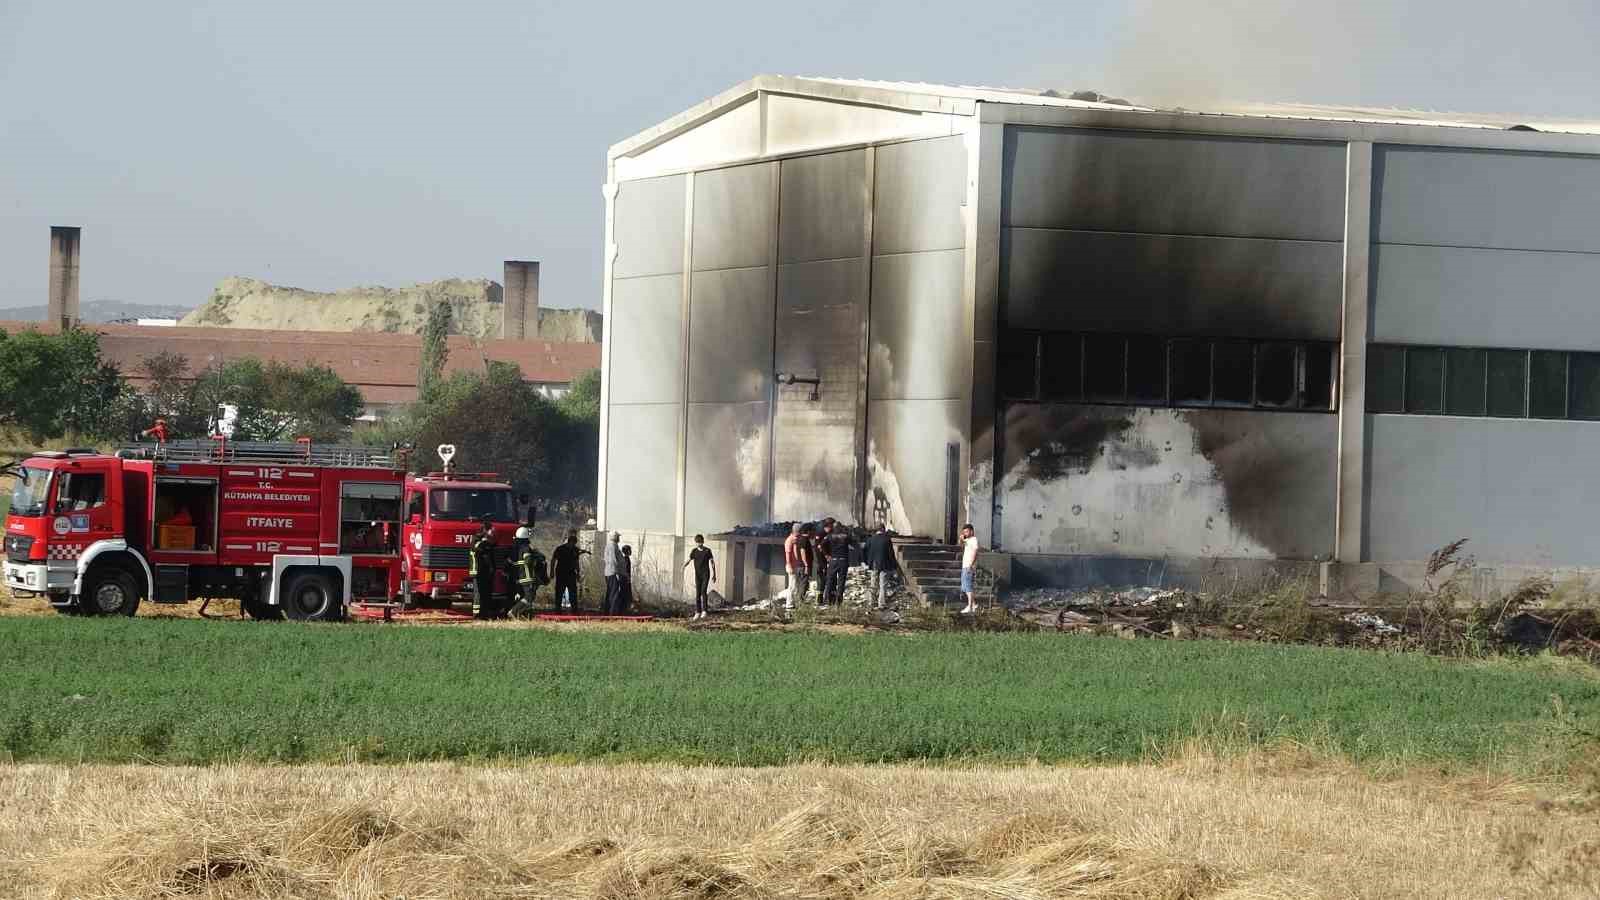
301 453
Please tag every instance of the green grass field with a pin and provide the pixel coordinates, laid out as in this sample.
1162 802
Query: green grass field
196 691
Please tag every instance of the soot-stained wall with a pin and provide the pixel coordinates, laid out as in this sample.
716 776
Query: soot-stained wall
1136 481
1169 235
916 378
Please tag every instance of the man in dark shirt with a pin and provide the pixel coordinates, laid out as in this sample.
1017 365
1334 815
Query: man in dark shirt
836 544
879 555
564 559
705 572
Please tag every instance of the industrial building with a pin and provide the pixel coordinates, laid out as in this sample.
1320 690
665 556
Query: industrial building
1114 338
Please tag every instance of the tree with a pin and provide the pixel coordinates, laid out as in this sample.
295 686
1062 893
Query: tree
277 401
435 349
498 422
52 384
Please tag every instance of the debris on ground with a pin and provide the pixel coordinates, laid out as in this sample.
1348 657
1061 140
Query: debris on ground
1371 622
1098 598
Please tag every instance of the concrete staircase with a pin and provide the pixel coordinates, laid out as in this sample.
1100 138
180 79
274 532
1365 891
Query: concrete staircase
932 572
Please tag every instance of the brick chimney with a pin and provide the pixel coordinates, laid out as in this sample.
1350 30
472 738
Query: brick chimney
520 311
63 307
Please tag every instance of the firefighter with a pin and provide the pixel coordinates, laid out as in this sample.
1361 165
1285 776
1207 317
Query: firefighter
480 568
531 573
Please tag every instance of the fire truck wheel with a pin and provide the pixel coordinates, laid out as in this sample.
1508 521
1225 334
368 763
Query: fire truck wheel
109 591
310 596
257 607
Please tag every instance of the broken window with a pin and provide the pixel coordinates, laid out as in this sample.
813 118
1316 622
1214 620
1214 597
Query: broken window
1061 367
1191 371
1233 373
1465 382
1320 377
1547 384
1105 367
1018 371
1277 374
1386 379
1507 394
1584 375
1424 380
1147 370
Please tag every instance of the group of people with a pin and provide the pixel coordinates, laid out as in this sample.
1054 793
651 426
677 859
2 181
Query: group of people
527 570
810 553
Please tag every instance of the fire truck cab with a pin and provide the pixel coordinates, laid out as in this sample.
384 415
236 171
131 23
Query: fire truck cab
287 529
444 512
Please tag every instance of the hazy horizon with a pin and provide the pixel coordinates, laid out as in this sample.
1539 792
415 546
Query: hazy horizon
325 147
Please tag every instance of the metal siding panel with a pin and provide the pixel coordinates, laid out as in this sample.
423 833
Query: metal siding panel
730 335
648 227
1468 198
921 187
1172 285
726 477
1129 481
1174 184
733 217
822 207
916 330
641 487
646 340
906 462
1485 298
819 332
1520 491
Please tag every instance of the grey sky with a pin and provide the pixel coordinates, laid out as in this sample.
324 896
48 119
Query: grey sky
324 145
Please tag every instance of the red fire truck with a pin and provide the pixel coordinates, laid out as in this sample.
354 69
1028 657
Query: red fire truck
288 529
444 512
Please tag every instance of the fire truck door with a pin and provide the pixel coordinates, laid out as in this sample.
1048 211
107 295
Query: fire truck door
83 512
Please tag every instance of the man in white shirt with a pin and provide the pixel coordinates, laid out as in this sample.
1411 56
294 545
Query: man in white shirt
969 565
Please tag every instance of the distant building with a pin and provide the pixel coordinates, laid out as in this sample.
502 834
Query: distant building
383 366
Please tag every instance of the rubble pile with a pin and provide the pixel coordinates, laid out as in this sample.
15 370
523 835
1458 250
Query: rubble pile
1371 622
859 592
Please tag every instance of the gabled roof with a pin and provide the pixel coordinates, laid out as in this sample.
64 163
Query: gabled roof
939 104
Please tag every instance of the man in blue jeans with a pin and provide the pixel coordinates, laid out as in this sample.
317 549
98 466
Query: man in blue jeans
969 565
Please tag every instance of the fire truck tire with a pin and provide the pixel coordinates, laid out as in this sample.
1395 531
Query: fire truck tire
310 596
109 591
257 607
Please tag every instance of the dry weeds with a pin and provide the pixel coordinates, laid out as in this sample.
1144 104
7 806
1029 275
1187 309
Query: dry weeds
1262 825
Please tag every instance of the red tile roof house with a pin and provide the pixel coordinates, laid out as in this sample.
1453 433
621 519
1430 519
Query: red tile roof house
382 365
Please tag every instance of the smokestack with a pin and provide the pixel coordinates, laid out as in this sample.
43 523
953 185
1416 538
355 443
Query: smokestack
63 308
520 311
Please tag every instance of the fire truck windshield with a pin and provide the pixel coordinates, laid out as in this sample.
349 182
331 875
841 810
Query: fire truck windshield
29 491
463 504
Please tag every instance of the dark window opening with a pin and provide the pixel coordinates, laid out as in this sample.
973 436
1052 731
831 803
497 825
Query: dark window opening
1424 380
1233 373
1585 386
1191 371
1277 376
1386 379
1018 366
1147 370
1547 384
1105 367
1465 382
1508 383
1061 367
78 491
1320 376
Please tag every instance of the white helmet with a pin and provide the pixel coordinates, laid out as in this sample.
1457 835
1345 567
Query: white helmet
524 533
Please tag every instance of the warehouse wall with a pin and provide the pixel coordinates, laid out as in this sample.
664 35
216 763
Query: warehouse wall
646 355
731 312
916 377
821 311
1169 235
1487 250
